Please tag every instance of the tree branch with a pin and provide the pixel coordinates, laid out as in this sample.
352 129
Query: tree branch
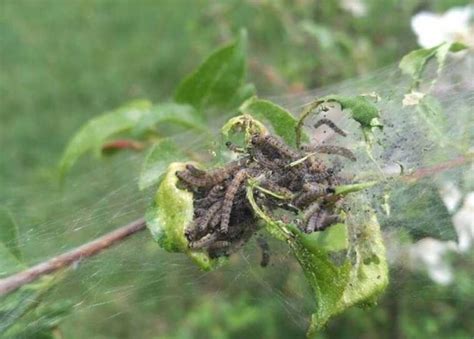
15 281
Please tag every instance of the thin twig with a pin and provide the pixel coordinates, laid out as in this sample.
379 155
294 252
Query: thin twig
439 168
15 281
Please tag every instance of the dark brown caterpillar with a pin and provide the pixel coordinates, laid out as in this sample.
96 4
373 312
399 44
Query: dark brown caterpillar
229 196
331 125
293 186
277 144
206 218
265 248
331 149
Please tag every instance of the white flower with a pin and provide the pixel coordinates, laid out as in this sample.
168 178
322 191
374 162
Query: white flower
451 196
464 223
454 25
356 7
412 98
429 254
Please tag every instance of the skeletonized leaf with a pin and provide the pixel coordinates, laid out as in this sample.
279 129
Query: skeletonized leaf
218 79
160 155
282 121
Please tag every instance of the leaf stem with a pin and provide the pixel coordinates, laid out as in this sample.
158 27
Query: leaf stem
15 281
299 126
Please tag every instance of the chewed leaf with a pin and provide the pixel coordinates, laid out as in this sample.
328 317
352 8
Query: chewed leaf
362 279
362 109
282 121
157 160
359 278
245 124
218 79
171 212
414 63
9 233
93 134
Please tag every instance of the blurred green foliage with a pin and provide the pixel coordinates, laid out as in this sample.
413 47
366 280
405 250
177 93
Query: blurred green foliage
62 63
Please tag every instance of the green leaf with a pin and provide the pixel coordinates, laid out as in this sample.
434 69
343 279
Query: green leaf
8 262
414 63
218 79
419 209
169 215
23 315
282 121
178 114
136 118
15 305
346 189
361 107
334 239
431 113
157 160
9 233
360 278
93 134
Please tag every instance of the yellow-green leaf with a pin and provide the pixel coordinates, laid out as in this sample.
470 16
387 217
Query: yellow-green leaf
171 212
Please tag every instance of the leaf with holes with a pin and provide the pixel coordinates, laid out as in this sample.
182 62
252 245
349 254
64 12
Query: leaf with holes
361 276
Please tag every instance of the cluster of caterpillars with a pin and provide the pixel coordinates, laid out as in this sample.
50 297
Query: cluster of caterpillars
295 182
